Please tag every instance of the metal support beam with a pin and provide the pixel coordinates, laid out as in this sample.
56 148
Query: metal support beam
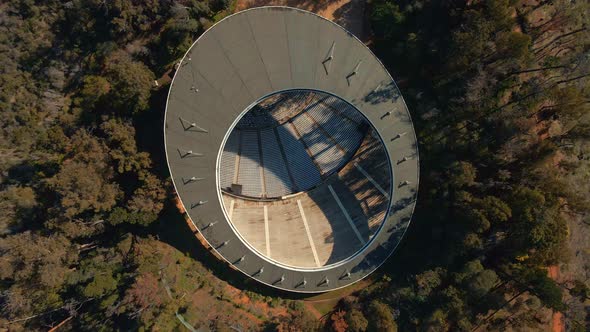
191 179
354 72
398 136
188 153
345 276
191 126
301 284
210 225
259 272
326 63
199 203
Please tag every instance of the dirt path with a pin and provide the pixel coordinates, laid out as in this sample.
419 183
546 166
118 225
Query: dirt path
309 306
557 321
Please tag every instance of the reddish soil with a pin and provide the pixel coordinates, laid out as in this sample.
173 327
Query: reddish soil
238 297
347 13
309 306
202 299
310 5
557 321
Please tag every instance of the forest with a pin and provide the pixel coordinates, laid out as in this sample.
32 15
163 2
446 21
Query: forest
499 93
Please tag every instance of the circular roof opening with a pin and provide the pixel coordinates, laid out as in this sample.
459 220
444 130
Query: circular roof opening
305 180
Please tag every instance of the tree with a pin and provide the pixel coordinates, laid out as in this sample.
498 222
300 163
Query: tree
428 281
356 321
148 199
496 210
482 282
120 137
300 321
339 323
470 42
481 214
131 83
387 19
18 204
436 322
569 103
513 46
500 13
468 270
177 35
101 284
382 318
545 288
82 187
33 270
526 204
454 304
143 296
29 257
94 89
84 182
121 215
462 174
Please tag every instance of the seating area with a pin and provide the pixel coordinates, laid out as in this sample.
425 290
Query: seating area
366 180
277 109
276 174
346 133
228 160
256 118
249 169
294 102
270 159
326 224
304 171
322 148
345 110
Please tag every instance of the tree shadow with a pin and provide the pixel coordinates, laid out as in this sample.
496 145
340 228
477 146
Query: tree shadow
351 17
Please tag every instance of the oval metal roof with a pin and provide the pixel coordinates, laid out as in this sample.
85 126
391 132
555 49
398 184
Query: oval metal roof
239 61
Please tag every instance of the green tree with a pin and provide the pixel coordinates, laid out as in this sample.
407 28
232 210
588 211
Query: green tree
301 320
120 137
481 283
131 83
82 187
148 199
101 284
33 272
428 281
513 45
93 91
382 318
462 174
18 204
387 20
356 321
544 288
436 322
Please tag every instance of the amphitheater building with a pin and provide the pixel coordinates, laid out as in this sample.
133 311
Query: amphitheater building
291 149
